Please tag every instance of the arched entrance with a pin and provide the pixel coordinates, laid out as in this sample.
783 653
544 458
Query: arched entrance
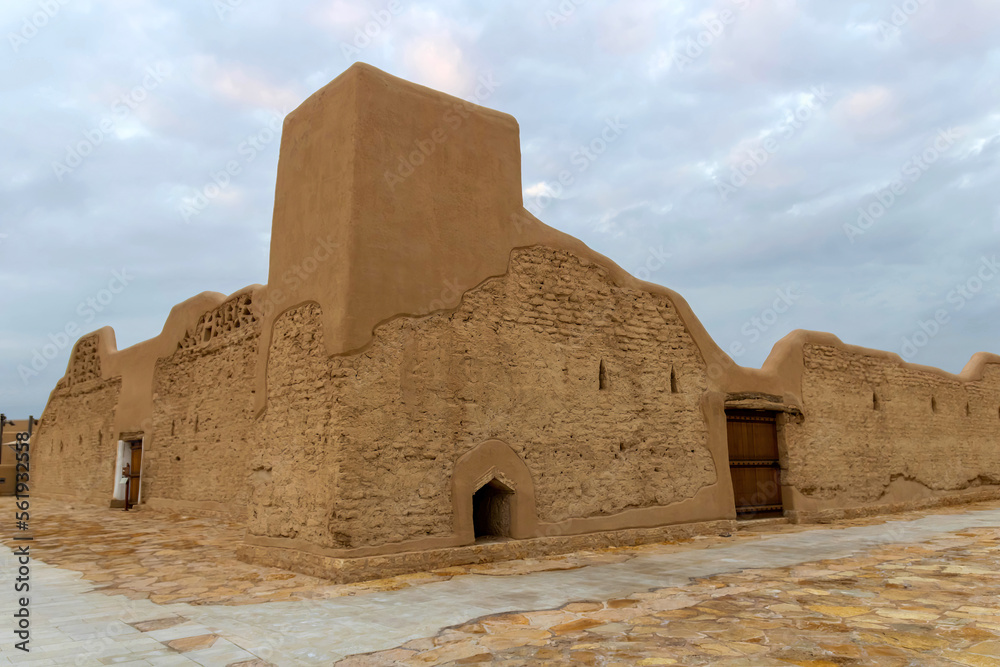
491 510
493 496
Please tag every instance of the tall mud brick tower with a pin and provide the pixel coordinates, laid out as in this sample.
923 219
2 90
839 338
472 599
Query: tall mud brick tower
419 194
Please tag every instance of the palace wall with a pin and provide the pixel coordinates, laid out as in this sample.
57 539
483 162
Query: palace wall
203 421
596 387
74 447
878 431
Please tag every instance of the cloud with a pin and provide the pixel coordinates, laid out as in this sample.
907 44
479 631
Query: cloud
436 61
342 15
947 25
869 113
629 26
241 85
540 189
760 39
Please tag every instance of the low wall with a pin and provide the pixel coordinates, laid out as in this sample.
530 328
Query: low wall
879 434
347 570
196 457
74 448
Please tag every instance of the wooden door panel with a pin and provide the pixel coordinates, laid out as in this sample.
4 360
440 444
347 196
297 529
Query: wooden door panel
753 462
135 468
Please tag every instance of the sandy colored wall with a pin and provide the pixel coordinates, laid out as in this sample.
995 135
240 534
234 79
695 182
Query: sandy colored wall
105 394
196 457
519 361
877 430
73 449
296 460
339 183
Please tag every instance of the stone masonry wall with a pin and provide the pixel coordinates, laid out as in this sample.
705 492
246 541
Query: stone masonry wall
203 423
74 447
595 386
870 421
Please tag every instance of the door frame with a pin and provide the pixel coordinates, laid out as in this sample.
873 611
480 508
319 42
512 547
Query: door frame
124 455
778 418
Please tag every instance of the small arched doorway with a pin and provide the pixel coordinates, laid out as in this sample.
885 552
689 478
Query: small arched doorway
493 497
491 510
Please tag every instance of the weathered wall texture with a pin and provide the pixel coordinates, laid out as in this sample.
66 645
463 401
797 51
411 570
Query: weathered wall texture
361 448
198 452
73 450
871 422
295 464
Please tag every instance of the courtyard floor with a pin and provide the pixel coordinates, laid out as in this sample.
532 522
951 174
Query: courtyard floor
146 588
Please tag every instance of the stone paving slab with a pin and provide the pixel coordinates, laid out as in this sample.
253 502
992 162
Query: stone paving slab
173 558
907 604
78 621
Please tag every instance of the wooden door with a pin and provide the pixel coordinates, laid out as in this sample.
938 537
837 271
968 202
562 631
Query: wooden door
135 467
753 463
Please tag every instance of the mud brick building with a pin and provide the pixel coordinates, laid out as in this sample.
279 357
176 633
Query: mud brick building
433 376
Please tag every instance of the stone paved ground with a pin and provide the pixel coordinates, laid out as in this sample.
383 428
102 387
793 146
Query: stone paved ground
164 557
170 558
144 588
936 603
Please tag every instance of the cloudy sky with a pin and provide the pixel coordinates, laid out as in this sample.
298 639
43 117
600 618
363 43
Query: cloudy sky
838 160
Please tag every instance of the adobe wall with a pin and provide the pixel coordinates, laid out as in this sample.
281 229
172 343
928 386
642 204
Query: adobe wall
196 457
878 431
73 449
295 459
108 394
362 448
